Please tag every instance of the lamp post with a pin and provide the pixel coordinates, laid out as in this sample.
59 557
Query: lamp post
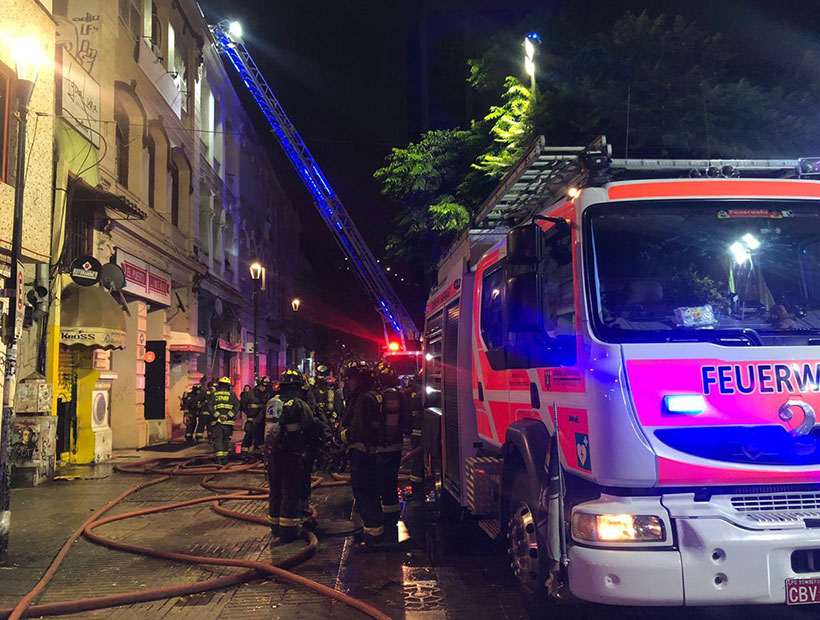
257 271
531 43
27 55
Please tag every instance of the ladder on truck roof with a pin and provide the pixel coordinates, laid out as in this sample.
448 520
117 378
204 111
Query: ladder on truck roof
388 304
545 174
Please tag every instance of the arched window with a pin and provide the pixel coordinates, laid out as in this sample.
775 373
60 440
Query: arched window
173 173
151 165
123 140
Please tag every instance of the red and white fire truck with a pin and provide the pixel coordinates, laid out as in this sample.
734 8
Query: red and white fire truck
622 375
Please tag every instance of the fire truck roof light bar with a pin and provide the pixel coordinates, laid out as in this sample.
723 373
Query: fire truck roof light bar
330 207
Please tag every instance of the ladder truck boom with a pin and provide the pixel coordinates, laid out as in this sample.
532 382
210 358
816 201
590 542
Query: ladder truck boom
330 207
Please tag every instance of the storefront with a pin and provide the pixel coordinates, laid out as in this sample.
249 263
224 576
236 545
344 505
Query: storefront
92 324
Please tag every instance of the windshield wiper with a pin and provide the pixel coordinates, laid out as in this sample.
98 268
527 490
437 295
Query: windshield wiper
727 336
733 336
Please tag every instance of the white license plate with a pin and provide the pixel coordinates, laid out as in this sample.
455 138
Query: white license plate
803 591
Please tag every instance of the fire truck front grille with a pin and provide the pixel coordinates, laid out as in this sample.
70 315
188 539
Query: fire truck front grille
774 518
790 502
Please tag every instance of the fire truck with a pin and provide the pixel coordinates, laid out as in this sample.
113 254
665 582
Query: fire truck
622 373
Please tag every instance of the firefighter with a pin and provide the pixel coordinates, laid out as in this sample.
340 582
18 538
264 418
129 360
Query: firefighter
361 426
290 431
225 405
394 424
202 411
415 403
327 395
189 406
252 404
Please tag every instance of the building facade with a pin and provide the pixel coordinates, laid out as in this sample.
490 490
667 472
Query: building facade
161 183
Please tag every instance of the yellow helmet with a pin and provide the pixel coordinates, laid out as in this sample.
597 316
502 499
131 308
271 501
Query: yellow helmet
225 380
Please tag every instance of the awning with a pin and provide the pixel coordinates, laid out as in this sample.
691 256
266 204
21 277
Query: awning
83 193
186 343
90 317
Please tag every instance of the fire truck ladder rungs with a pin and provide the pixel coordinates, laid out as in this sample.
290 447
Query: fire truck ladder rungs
544 174
347 236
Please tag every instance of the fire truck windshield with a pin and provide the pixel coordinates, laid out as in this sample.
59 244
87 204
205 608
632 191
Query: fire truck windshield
736 272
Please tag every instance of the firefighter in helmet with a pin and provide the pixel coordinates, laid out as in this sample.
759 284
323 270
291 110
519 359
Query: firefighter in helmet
200 410
415 402
394 424
327 395
290 432
225 405
361 430
252 404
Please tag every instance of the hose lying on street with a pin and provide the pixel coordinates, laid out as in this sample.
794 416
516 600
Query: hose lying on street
182 466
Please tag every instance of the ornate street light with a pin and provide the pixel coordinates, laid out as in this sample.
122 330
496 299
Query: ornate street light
257 273
28 56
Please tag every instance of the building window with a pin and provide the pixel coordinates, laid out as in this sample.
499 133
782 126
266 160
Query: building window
131 16
152 172
5 120
156 30
173 172
79 234
122 140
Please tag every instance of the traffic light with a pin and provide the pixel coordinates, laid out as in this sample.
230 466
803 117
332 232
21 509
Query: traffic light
37 295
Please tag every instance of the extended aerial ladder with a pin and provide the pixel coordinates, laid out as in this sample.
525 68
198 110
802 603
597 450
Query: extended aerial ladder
388 304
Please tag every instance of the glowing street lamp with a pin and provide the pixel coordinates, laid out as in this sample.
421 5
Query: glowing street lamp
28 56
295 304
257 272
531 44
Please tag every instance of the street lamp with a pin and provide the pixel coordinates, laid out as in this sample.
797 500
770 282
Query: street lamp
257 271
295 303
28 56
531 44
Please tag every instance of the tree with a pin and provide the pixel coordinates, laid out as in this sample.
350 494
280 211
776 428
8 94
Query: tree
430 179
657 86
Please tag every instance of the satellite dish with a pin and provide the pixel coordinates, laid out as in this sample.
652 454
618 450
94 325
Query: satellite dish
218 306
112 277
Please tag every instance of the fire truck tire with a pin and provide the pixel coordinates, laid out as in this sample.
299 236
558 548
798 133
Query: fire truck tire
527 557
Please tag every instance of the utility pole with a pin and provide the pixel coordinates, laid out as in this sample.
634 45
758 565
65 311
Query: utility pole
27 56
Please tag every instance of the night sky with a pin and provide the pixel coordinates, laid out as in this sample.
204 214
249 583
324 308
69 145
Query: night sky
349 73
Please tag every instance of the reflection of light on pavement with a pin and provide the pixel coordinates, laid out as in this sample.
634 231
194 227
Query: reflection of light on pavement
403 533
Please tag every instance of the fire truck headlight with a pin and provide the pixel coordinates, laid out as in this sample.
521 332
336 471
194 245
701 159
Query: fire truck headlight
617 528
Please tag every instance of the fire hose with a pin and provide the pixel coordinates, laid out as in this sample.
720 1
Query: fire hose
182 466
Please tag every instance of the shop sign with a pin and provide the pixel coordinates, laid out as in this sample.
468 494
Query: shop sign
144 279
92 337
85 270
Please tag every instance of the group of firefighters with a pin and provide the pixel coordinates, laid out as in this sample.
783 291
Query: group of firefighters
294 421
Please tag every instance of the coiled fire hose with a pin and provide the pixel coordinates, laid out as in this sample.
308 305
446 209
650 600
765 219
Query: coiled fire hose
183 466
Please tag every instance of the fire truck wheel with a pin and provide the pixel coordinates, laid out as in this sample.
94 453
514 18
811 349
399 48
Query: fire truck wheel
526 557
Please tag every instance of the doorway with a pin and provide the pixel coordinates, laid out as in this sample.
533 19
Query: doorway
155 358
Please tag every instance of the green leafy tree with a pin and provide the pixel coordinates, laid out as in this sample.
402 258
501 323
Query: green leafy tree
428 179
510 128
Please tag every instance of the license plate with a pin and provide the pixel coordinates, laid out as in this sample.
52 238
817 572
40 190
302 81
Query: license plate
802 591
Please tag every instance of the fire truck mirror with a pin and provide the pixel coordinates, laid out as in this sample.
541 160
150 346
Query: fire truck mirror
523 299
524 244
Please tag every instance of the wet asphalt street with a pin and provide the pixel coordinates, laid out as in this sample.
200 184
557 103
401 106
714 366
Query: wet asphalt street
469 579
